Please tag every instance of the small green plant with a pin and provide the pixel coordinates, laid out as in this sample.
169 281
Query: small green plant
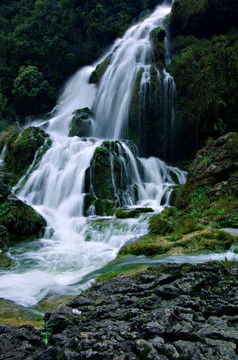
228 263
207 160
199 194
232 222
221 211
5 208
46 332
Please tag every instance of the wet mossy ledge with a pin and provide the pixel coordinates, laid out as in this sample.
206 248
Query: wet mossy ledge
81 123
19 221
21 148
201 208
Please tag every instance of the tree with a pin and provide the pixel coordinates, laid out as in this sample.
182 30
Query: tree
31 91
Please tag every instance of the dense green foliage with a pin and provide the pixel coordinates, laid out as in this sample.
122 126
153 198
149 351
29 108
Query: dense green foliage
205 68
51 39
203 18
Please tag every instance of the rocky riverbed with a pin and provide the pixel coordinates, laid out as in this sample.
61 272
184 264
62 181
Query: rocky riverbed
164 313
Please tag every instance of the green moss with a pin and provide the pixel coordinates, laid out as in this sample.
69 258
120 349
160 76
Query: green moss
152 245
81 123
126 213
157 37
104 207
98 73
159 225
21 149
4 135
21 221
5 262
206 76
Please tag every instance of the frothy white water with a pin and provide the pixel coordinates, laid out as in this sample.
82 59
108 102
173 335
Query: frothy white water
114 95
78 93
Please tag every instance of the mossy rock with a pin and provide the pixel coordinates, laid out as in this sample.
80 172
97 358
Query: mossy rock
126 213
100 174
81 123
5 261
5 134
4 239
21 149
98 73
89 200
152 245
157 37
159 225
104 207
21 220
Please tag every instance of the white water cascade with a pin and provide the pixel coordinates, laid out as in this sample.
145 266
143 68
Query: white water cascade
74 245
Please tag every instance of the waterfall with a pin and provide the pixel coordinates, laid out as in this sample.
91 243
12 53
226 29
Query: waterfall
74 245
131 55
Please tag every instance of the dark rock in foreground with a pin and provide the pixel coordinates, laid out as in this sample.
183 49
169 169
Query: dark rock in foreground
167 312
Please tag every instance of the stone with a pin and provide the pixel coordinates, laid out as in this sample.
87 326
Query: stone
3 238
216 165
184 325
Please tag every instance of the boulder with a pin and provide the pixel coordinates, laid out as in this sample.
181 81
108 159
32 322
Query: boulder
217 165
21 221
81 123
107 180
157 37
3 237
21 149
126 213
4 191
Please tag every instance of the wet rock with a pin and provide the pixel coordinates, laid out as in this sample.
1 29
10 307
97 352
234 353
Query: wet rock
4 191
157 37
3 237
217 165
126 213
21 221
107 180
21 149
98 73
81 123
150 326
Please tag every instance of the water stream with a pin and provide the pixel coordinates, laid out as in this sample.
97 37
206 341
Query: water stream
75 247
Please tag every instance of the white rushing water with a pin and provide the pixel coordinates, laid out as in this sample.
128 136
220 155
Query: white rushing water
73 245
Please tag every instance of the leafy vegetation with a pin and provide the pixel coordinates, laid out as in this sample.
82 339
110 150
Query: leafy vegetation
42 42
206 77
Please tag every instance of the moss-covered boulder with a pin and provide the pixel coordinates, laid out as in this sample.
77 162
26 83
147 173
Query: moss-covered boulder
3 238
21 221
81 123
21 149
107 180
4 191
10 130
152 245
98 73
126 213
5 261
217 164
146 112
157 37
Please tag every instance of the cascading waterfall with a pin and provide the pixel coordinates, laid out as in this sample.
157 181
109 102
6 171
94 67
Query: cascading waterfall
74 245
